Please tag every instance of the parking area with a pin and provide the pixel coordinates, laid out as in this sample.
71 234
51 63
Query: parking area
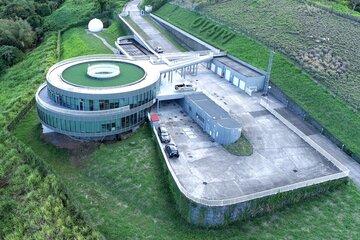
207 171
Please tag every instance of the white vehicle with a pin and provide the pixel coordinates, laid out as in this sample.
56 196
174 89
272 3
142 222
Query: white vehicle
184 87
159 49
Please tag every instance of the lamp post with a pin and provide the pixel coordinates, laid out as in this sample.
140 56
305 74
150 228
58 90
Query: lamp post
268 72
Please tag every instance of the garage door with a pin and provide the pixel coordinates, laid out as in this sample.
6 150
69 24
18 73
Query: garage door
227 74
219 71
242 85
236 81
213 67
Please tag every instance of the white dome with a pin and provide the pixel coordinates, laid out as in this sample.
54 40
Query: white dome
95 25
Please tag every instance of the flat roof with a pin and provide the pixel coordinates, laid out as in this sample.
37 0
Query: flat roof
238 67
54 78
213 110
77 74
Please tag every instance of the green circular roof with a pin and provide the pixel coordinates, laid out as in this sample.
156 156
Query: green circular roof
77 75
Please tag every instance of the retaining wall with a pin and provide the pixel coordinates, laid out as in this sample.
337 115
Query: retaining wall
184 40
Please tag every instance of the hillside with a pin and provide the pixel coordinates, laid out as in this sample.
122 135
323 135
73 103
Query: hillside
324 44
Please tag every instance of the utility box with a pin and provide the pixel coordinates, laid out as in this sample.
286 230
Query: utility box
148 8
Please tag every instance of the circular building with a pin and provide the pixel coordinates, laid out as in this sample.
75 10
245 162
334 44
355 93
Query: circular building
93 97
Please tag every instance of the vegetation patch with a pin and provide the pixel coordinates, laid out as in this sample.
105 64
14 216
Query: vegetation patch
213 31
33 204
344 7
77 42
115 30
326 45
19 83
242 147
21 27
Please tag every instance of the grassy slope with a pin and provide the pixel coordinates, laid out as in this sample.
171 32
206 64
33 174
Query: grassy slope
19 83
71 13
77 42
32 202
331 112
111 33
126 196
339 6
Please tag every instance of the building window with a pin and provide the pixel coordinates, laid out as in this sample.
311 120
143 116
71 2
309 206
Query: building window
200 118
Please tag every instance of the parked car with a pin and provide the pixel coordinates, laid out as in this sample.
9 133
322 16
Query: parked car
163 135
172 150
159 49
184 87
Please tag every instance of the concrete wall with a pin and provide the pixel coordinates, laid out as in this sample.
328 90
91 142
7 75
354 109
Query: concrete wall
184 40
215 216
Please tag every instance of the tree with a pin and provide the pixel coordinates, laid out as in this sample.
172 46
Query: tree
18 9
355 4
10 55
16 33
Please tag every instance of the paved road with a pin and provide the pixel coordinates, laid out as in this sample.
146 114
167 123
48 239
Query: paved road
156 38
229 96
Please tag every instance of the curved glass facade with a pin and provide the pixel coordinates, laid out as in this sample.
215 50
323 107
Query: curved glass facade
104 102
94 113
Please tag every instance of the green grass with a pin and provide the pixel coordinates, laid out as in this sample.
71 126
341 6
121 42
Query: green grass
338 6
331 112
77 42
115 30
19 83
240 45
121 189
77 74
242 147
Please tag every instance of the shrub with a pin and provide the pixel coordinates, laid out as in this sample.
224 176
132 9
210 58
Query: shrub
10 55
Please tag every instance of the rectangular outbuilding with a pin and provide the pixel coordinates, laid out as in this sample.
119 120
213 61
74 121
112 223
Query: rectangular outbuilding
238 73
211 118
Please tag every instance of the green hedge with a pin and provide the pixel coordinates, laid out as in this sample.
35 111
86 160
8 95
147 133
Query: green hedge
332 113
